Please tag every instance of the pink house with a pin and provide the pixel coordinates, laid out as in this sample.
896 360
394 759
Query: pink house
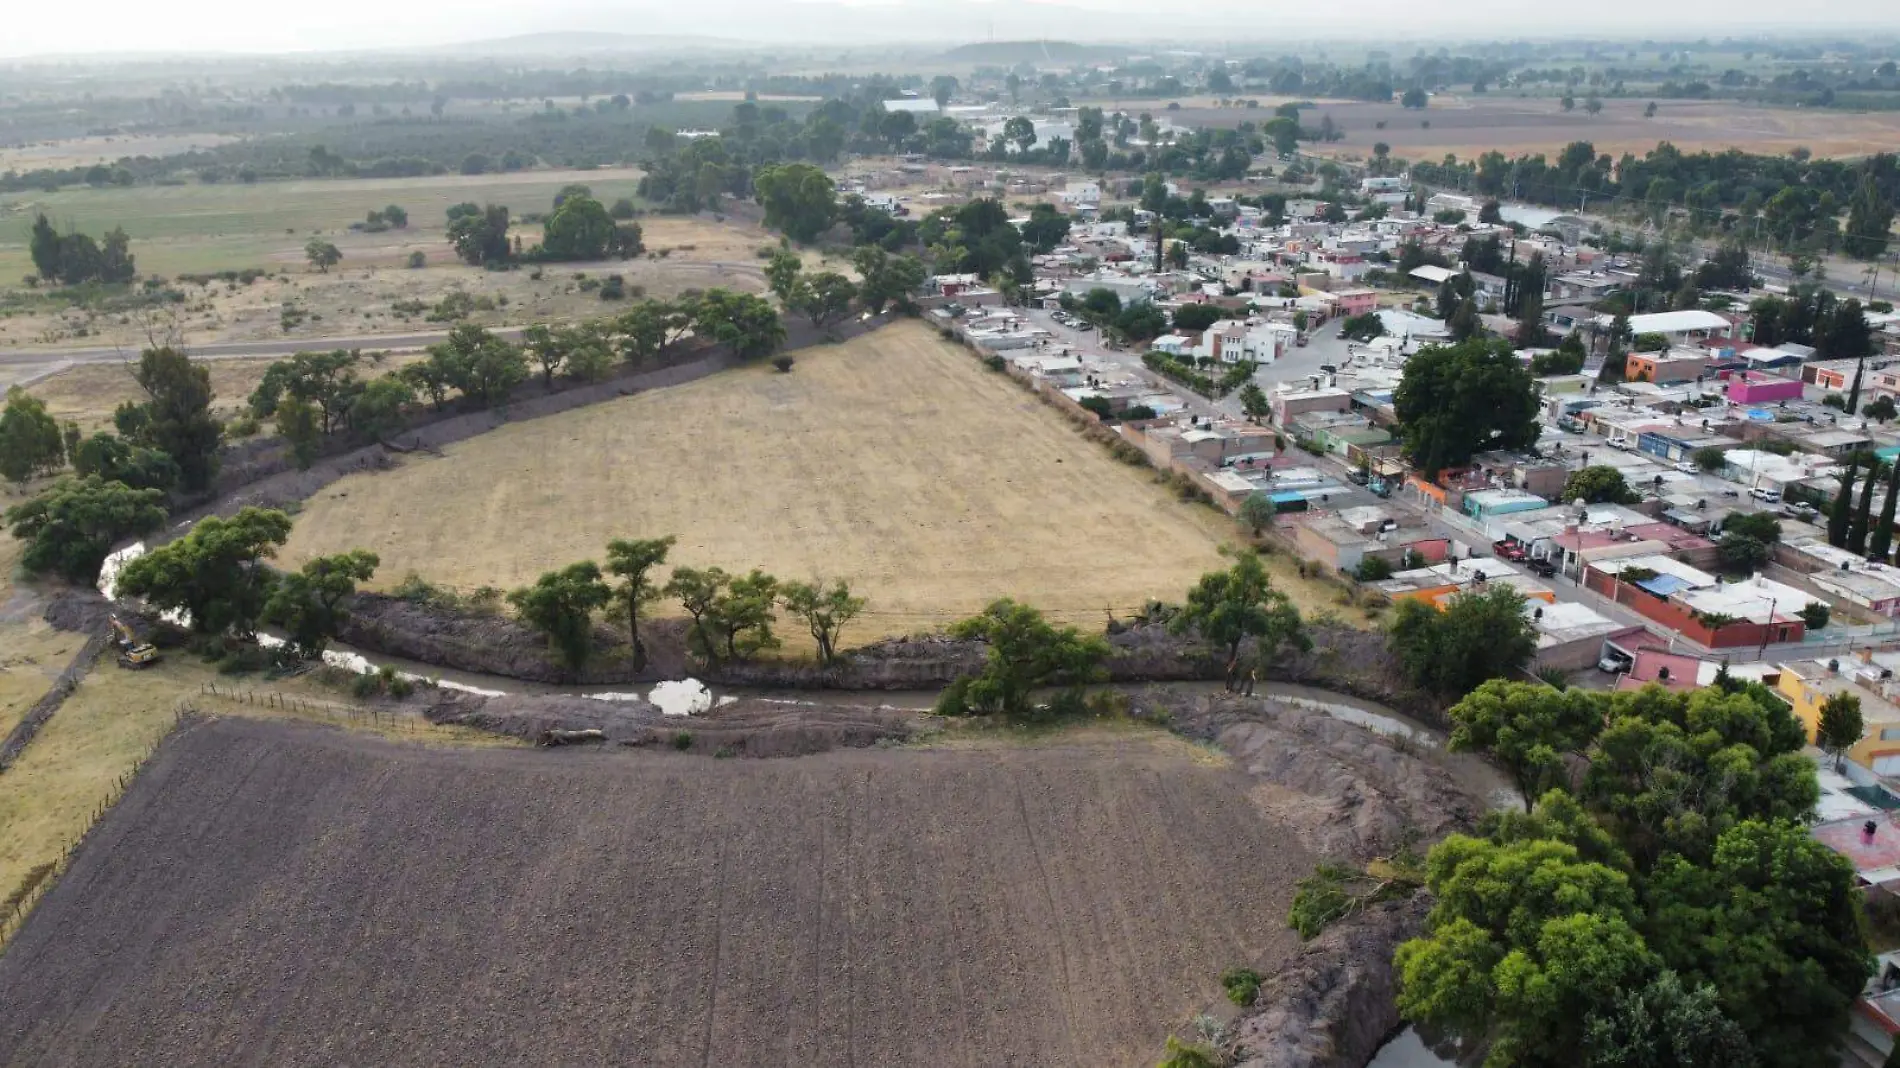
1753 387
1351 302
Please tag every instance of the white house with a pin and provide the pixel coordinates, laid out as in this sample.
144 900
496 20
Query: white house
1081 193
1233 341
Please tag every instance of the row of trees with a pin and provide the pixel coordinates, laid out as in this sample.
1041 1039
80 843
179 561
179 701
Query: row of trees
731 615
1237 611
314 395
1660 901
217 576
168 441
1851 523
578 228
74 258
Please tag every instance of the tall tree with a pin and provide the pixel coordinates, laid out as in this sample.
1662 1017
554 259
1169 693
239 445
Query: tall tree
561 604
1880 539
1840 726
825 609
1226 608
1857 534
1869 221
1481 634
579 229
71 527
1840 514
44 246
1024 652
30 441
1530 728
1454 401
215 573
634 562
308 603
176 416
798 199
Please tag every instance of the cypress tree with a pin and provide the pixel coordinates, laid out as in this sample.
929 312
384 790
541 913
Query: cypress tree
1840 514
1857 535
1879 541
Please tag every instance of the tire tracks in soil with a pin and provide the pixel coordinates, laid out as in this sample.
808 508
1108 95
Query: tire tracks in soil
1060 932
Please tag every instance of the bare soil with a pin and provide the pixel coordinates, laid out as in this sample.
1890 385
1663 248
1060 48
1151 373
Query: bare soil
282 894
1468 126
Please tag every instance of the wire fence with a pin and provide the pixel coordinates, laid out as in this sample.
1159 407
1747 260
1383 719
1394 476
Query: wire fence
302 707
39 880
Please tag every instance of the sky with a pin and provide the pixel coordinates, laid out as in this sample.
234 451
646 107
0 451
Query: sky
247 26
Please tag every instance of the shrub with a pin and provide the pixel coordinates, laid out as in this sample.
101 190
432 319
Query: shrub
1373 569
683 740
782 363
994 363
243 426
1242 985
417 259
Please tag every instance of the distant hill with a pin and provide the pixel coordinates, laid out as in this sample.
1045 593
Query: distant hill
1012 52
573 44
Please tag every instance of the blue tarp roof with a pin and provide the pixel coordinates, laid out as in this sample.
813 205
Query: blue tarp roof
1663 585
1287 496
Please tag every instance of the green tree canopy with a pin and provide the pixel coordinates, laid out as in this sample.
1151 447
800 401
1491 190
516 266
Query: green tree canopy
215 573
798 198
176 415
308 603
30 442
1481 634
71 526
579 229
633 561
1530 728
1226 608
1454 401
1025 652
561 604
825 610
1598 484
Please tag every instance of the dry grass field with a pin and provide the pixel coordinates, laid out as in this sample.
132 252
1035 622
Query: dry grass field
1468 126
32 654
296 896
89 393
894 461
361 296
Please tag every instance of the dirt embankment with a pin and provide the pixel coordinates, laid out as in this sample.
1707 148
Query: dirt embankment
1335 1002
1349 661
750 727
1351 796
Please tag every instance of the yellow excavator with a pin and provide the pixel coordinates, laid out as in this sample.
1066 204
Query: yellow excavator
133 654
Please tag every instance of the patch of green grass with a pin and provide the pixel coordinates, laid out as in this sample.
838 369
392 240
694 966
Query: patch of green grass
193 228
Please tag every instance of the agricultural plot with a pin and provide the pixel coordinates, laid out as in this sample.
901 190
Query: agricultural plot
1468 126
228 226
894 461
304 896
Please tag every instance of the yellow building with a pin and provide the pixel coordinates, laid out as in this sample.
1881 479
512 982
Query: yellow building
1807 684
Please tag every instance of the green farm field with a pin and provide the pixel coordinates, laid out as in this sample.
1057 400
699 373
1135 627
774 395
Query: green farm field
229 226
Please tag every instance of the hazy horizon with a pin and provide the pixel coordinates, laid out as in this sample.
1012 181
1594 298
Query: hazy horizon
229 28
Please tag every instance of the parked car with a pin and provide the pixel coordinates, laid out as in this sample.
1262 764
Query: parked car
1544 568
1687 468
1615 663
1357 477
1766 496
1509 550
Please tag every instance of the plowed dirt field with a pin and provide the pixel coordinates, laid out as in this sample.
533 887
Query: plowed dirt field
280 894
